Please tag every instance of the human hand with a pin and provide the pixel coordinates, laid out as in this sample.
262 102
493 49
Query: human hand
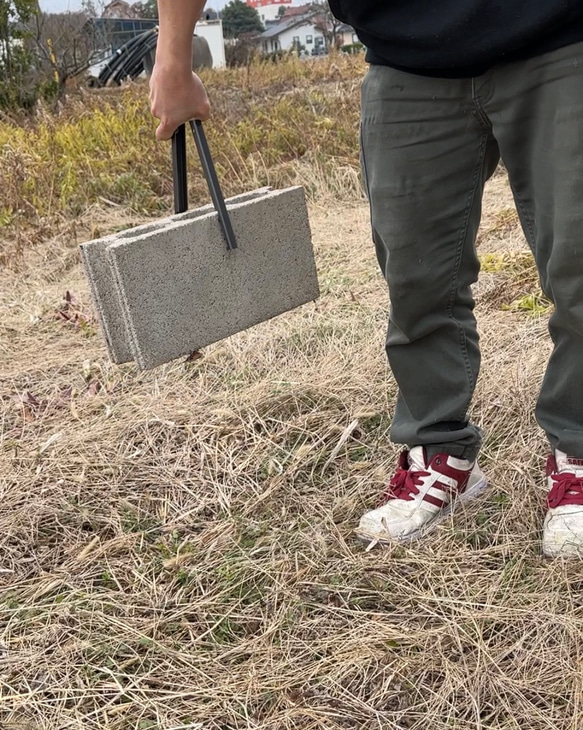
175 98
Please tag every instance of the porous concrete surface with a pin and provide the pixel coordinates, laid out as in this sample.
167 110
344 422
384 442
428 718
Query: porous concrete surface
181 289
102 282
106 298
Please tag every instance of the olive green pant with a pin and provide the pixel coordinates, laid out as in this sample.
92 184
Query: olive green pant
428 147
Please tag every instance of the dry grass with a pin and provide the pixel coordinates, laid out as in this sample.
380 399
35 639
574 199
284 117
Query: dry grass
177 549
273 124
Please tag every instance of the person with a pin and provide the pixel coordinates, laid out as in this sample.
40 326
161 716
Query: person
452 87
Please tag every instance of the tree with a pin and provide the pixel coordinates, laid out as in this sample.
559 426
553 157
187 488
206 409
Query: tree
328 23
242 51
15 61
92 8
63 45
238 18
146 9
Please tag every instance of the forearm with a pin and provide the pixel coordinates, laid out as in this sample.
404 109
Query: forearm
177 19
176 93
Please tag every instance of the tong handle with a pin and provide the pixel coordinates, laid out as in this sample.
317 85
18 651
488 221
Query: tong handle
179 170
213 182
208 167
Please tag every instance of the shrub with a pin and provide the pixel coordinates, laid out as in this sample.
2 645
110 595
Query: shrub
352 48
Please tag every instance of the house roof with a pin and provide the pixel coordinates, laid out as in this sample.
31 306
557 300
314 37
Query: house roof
279 28
295 10
119 9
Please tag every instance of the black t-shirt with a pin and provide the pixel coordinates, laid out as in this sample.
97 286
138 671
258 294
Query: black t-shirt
458 38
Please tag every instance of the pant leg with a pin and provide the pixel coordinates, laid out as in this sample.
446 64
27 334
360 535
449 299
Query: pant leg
426 156
537 115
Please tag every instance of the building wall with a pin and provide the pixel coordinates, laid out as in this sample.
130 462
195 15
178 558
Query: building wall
306 35
269 9
346 38
212 30
112 33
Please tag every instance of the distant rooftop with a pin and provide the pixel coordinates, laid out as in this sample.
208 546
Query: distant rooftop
276 29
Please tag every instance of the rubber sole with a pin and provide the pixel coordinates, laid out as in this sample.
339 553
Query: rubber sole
471 493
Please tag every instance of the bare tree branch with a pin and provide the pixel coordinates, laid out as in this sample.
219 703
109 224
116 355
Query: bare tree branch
63 44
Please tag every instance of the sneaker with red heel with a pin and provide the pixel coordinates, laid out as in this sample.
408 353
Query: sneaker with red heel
563 527
422 493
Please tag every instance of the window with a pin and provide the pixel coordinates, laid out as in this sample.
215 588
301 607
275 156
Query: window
309 39
319 40
296 40
355 38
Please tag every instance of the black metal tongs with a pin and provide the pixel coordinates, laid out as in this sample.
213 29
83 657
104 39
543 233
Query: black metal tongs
208 167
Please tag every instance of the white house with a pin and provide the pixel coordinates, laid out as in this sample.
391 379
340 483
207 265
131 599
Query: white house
345 35
269 9
300 33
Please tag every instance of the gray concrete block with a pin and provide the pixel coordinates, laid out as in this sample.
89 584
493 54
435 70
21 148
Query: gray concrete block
106 298
101 277
181 289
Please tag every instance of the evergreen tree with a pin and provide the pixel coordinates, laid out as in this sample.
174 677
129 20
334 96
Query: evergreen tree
239 18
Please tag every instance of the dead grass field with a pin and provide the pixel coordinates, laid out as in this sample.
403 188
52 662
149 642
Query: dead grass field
176 547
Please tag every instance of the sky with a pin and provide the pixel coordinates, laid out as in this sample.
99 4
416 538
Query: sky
61 6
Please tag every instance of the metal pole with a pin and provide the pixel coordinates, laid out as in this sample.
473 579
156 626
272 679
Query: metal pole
179 170
213 183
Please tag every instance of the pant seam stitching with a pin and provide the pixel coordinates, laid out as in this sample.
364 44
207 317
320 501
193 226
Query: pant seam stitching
365 177
457 266
478 108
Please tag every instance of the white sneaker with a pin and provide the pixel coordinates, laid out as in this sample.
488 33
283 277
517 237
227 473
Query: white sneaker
421 494
563 528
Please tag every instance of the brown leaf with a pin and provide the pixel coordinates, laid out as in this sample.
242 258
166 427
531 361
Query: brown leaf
65 394
94 388
196 355
30 399
28 416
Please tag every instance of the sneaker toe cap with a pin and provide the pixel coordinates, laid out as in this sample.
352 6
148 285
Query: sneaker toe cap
563 532
391 522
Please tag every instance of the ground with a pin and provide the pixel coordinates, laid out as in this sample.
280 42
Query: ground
177 546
